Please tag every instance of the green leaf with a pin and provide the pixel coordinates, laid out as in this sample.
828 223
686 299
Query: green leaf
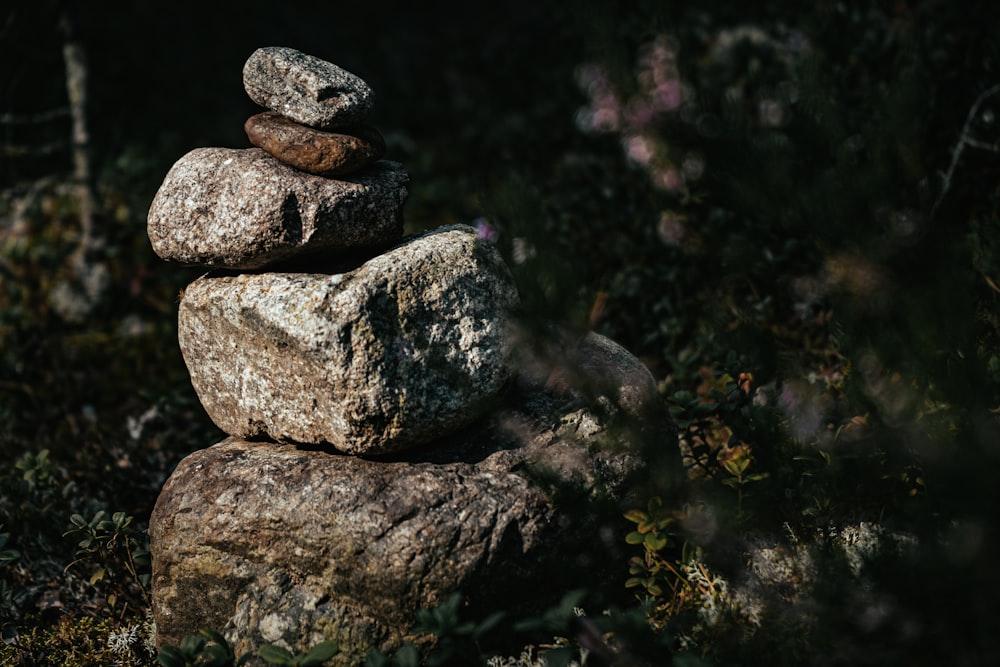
407 656
97 576
466 628
275 655
220 656
488 624
655 541
192 644
319 654
635 537
170 657
737 466
215 637
682 397
635 516
632 582
375 658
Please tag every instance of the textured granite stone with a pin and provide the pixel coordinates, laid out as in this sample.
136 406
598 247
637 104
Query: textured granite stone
281 544
316 151
242 209
600 367
409 346
306 89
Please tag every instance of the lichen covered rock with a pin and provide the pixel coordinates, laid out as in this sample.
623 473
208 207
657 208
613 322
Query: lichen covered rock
290 545
242 209
305 88
407 347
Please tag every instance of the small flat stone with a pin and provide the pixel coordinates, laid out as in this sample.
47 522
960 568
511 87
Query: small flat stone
315 151
305 88
242 209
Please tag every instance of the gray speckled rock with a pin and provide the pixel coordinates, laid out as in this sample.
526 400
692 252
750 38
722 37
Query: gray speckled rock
306 89
407 347
279 544
242 209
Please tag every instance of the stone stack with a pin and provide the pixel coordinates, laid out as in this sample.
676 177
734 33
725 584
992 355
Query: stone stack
328 327
381 445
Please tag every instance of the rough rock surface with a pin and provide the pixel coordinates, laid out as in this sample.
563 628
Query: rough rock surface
594 367
318 152
407 347
242 209
306 89
281 544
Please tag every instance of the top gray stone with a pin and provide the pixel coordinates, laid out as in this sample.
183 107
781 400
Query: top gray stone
306 89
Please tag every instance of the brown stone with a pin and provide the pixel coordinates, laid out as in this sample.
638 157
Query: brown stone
315 151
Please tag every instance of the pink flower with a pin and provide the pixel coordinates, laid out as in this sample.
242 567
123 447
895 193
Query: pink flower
485 230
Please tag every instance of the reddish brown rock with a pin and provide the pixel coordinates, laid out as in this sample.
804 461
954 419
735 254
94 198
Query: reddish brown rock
315 151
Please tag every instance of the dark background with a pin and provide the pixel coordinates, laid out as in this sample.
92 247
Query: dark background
894 358
463 91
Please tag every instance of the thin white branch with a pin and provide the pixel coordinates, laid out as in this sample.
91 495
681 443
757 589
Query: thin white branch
975 143
963 141
75 61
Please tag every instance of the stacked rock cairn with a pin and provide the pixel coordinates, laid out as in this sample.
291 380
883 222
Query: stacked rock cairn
322 327
378 432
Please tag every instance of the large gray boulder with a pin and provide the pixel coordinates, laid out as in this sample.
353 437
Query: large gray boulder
243 209
288 545
407 347
305 88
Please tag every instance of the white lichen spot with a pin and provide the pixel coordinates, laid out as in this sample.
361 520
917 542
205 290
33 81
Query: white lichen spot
272 627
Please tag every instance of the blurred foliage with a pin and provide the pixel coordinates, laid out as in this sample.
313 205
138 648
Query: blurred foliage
789 212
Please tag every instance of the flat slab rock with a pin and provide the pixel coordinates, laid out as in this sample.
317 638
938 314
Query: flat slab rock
305 88
408 346
242 209
272 543
315 151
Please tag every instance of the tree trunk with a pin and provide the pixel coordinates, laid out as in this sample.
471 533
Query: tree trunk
76 89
